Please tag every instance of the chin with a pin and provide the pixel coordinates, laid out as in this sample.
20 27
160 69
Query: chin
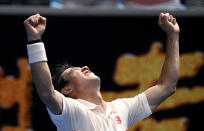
96 79
93 77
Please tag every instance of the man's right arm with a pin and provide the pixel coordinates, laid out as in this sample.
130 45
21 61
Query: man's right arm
35 27
43 83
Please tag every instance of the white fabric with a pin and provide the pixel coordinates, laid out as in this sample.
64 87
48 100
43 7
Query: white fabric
120 114
36 53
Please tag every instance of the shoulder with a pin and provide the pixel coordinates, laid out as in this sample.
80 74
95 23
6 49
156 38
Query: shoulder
128 102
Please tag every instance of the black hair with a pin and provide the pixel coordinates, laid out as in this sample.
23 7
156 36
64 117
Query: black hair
58 80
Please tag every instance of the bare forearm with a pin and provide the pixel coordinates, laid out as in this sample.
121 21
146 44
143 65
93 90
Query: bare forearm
42 79
35 26
169 75
170 69
43 84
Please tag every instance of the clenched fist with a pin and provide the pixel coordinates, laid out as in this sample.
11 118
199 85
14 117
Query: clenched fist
168 24
35 26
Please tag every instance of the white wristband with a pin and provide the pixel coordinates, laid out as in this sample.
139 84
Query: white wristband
36 53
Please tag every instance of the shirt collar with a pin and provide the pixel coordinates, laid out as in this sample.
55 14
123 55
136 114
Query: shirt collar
88 104
109 110
92 106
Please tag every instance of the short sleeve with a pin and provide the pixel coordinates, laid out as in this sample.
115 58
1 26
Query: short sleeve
68 115
138 108
64 110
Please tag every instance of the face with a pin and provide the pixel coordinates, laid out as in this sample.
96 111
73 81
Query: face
81 79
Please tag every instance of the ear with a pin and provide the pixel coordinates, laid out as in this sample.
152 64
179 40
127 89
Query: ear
66 90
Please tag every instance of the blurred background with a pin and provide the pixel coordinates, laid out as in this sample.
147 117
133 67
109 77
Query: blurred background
120 41
170 4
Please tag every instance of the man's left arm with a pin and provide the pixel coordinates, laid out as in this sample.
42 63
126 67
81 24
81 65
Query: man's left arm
167 82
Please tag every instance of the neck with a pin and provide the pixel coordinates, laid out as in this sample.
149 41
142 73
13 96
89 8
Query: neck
94 97
92 93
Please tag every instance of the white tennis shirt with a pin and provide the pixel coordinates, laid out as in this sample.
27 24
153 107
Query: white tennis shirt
120 114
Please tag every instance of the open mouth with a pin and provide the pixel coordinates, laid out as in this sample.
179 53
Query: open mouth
87 72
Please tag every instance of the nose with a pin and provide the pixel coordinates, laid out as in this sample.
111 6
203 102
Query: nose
85 68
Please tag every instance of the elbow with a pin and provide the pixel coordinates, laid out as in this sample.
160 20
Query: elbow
169 85
170 88
46 95
173 90
172 85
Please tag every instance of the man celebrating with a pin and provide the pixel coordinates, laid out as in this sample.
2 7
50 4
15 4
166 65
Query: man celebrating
78 105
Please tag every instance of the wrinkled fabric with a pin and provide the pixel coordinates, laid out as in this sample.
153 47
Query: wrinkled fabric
120 114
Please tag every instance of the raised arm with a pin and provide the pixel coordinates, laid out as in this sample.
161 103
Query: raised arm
35 27
166 85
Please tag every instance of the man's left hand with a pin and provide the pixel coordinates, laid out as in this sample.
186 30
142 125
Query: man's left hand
168 23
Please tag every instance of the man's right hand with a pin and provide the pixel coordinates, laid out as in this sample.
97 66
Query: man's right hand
35 26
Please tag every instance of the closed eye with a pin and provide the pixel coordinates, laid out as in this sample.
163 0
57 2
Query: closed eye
73 69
